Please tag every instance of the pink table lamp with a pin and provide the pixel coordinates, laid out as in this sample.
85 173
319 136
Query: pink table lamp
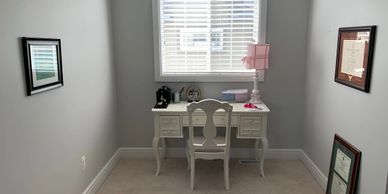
257 58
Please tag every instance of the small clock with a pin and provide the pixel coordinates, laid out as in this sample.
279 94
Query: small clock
193 94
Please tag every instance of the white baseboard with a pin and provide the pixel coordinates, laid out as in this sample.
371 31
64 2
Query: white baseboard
314 170
284 154
137 152
243 153
104 172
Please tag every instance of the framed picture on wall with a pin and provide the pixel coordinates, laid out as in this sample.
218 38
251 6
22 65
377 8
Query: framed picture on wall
344 165
43 64
354 56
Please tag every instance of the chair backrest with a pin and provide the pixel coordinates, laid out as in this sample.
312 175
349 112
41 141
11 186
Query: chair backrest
210 106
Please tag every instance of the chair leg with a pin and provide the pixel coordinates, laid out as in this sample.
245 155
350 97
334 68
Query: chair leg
192 162
226 173
188 159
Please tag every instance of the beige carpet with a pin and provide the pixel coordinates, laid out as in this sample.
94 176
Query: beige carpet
137 176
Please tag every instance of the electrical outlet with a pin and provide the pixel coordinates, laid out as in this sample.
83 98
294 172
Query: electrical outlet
83 162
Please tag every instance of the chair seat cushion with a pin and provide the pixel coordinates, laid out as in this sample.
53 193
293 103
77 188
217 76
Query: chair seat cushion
199 144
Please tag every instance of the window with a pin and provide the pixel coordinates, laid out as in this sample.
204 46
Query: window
204 40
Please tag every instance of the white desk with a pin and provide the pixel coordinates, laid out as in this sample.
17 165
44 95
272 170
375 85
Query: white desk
250 124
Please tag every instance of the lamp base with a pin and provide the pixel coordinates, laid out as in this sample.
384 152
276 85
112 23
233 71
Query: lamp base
255 96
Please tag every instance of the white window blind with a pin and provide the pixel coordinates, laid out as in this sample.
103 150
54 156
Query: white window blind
205 37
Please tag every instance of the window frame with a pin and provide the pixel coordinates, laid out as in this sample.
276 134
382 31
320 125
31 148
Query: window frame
203 77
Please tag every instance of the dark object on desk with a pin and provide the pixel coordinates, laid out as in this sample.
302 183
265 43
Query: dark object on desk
193 94
163 97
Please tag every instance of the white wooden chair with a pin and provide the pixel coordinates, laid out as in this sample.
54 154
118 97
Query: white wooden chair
209 146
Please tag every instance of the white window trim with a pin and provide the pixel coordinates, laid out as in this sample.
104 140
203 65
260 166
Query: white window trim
203 77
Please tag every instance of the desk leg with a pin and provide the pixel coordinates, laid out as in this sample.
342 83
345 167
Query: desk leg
163 148
155 145
264 142
257 141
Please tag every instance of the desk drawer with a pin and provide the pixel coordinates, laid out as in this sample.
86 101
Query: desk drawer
220 120
250 126
200 120
170 126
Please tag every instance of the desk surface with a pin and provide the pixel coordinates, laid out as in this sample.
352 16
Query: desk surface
237 108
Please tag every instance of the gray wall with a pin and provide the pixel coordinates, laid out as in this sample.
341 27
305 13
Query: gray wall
42 137
283 90
360 118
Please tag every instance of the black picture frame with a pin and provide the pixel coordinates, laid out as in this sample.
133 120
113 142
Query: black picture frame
354 60
43 64
193 94
344 167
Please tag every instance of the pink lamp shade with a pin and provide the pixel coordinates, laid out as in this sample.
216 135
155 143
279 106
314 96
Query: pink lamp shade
257 56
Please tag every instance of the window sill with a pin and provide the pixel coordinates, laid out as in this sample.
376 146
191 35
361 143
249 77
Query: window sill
240 77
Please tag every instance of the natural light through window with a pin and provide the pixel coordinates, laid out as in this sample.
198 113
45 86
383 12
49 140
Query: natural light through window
204 39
